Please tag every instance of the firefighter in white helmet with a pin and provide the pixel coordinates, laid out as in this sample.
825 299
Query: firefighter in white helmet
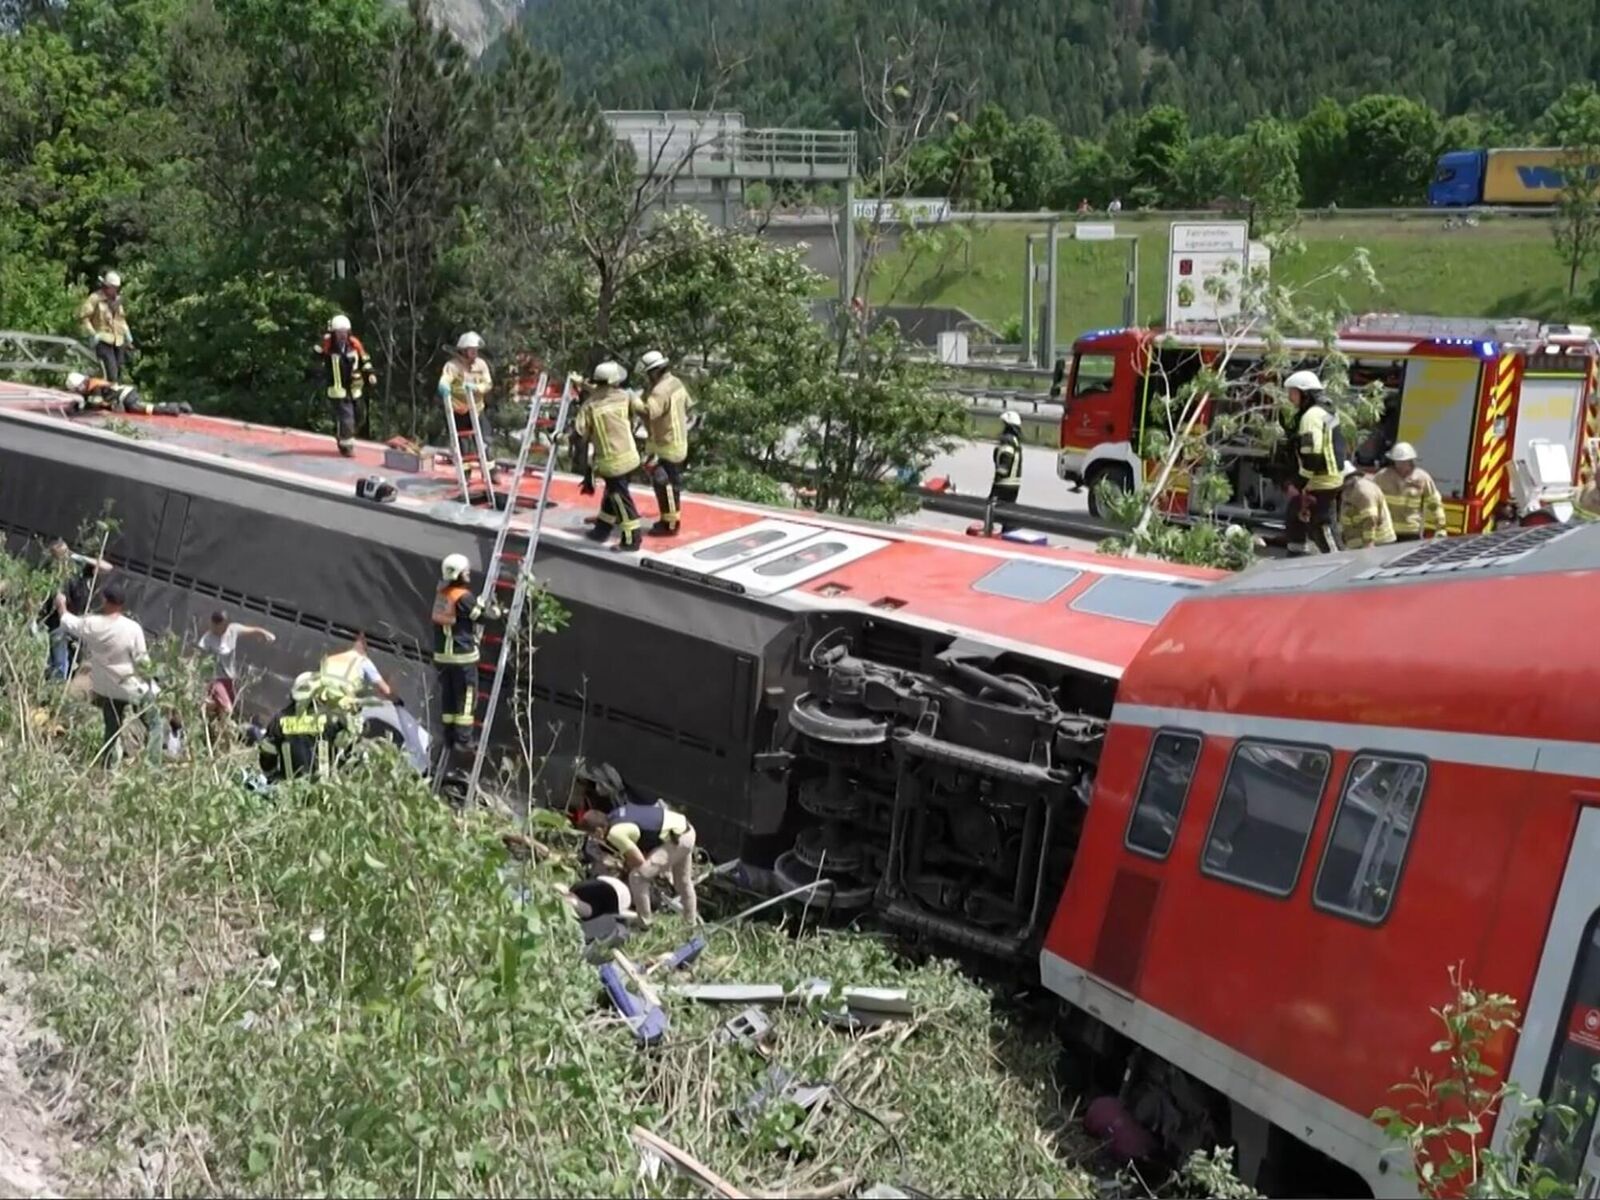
665 408
1414 502
465 382
105 325
103 395
345 368
457 643
1007 467
1363 515
605 422
1320 454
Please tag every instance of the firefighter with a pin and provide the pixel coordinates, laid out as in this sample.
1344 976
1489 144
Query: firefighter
105 325
104 395
1413 498
605 423
465 382
342 361
303 739
665 408
353 675
1363 515
1007 467
1319 453
651 839
458 640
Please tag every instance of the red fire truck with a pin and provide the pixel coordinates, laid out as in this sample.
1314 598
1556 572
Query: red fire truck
1503 414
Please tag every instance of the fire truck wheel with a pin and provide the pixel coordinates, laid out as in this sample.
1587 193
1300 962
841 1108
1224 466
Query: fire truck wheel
1119 476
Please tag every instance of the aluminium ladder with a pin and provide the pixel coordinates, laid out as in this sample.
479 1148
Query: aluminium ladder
494 579
482 455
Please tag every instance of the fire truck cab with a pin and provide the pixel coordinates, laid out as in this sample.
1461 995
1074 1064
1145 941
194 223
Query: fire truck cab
1502 413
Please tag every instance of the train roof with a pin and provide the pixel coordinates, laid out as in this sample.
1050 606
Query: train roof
1087 611
1486 635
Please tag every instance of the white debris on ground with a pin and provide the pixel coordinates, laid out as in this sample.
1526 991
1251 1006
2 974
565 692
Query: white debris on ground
34 1143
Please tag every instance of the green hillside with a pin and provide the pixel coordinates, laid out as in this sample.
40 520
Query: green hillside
1504 267
1080 62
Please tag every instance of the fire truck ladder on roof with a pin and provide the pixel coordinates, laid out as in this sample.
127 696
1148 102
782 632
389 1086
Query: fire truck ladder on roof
480 454
494 576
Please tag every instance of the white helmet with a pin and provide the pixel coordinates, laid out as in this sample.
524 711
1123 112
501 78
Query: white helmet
469 341
76 380
455 567
340 324
1011 419
610 372
111 279
1349 469
1304 381
303 687
653 359
1402 452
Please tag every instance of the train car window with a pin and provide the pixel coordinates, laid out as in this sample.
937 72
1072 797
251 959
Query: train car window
1092 374
1572 1077
1129 598
1167 774
1263 820
803 557
1371 831
750 541
1034 582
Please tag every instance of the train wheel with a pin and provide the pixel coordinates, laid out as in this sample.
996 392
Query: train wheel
1116 474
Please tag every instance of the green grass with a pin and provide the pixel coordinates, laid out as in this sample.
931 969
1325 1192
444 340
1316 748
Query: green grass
1503 267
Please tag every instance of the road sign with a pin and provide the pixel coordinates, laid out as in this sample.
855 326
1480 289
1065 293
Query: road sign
1200 252
1090 231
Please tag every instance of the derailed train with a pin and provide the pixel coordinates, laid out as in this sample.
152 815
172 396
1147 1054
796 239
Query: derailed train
1116 775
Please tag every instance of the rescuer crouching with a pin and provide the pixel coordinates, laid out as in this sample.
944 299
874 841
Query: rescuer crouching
605 423
650 838
1363 514
1320 454
302 741
665 408
103 395
458 642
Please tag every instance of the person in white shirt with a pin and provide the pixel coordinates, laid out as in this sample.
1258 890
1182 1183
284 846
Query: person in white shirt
114 644
222 644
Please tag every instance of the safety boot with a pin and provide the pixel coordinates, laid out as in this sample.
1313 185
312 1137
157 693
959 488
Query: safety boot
662 529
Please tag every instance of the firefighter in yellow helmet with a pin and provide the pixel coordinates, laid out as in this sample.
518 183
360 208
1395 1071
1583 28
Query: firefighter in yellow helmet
1363 515
102 395
1320 454
1414 502
605 422
345 367
665 408
105 325
457 644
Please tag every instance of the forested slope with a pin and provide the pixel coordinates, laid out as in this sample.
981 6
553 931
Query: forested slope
1080 62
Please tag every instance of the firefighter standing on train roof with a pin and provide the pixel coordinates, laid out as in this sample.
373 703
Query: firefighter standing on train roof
346 369
1320 454
665 408
1007 466
1413 498
1363 515
105 325
102 395
465 382
458 641
605 422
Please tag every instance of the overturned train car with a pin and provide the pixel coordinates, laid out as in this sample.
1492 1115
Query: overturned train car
916 717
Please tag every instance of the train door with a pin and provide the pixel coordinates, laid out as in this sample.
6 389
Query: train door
1558 1055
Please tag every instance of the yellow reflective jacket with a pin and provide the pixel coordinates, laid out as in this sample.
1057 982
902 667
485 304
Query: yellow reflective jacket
1414 502
103 320
1316 451
665 409
1363 515
605 422
1008 461
466 386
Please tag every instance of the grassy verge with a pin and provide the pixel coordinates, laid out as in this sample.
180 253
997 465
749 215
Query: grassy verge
1503 266
344 988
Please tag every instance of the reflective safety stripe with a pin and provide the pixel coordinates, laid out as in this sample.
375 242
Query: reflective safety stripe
1314 449
303 725
1008 461
1364 516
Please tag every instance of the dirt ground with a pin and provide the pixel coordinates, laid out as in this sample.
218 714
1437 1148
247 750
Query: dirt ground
35 1146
